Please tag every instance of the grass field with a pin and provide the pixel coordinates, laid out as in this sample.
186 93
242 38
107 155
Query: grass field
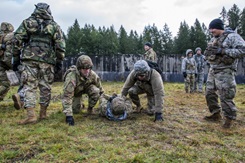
183 136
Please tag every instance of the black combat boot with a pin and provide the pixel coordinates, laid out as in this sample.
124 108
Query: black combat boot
228 123
214 117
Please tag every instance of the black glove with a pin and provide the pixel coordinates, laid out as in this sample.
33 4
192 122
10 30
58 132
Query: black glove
158 117
58 66
70 120
3 46
16 63
184 74
216 50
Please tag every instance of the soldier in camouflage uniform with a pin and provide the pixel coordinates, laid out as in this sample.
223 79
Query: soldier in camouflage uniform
200 61
222 53
6 37
189 70
79 80
141 80
39 44
150 54
115 107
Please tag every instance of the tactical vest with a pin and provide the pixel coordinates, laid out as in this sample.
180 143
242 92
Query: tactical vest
40 46
221 59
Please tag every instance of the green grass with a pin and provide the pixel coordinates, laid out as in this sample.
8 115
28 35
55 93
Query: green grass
183 136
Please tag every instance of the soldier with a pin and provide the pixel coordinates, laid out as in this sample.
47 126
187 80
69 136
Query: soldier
79 80
189 70
6 37
150 54
40 40
115 107
141 80
200 61
222 53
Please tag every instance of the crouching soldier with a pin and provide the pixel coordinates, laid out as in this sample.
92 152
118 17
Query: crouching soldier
142 80
115 107
79 80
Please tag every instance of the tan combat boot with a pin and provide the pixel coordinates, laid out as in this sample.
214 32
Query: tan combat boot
214 117
42 114
228 123
31 117
18 104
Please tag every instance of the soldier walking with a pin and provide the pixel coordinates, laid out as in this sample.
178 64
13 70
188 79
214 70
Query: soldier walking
39 45
222 53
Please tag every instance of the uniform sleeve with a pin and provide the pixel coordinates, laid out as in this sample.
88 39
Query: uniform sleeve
59 43
158 91
183 65
235 46
99 85
130 81
20 37
68 93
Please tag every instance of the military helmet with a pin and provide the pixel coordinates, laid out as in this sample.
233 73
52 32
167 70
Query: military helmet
118 105
141 67
198 48
188 51
84 62
7 27
43 6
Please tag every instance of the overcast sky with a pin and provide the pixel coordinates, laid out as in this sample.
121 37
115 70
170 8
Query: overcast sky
132 14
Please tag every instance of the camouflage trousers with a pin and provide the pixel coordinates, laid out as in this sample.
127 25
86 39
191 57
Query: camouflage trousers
221 84
35 75
199 82
4 82
134 93
189 83
93 93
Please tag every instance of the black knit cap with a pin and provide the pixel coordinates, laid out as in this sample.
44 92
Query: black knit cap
216 24
148 44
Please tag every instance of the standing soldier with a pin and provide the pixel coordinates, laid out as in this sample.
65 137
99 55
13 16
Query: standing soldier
40 41
222 53
200 61
150 54
79 80
189 70
142 80
6 37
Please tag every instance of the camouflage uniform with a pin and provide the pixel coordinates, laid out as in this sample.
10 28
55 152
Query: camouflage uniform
190 68
200 61
221 77
6 37
152 86
120 107
150 55
76 85
41 42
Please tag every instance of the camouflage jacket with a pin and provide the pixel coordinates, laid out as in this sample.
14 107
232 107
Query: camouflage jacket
6 54
153 86
150 55
189 65
200 63
75 85
234 48
40 39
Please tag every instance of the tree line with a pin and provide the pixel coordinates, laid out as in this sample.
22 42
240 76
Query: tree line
106 41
